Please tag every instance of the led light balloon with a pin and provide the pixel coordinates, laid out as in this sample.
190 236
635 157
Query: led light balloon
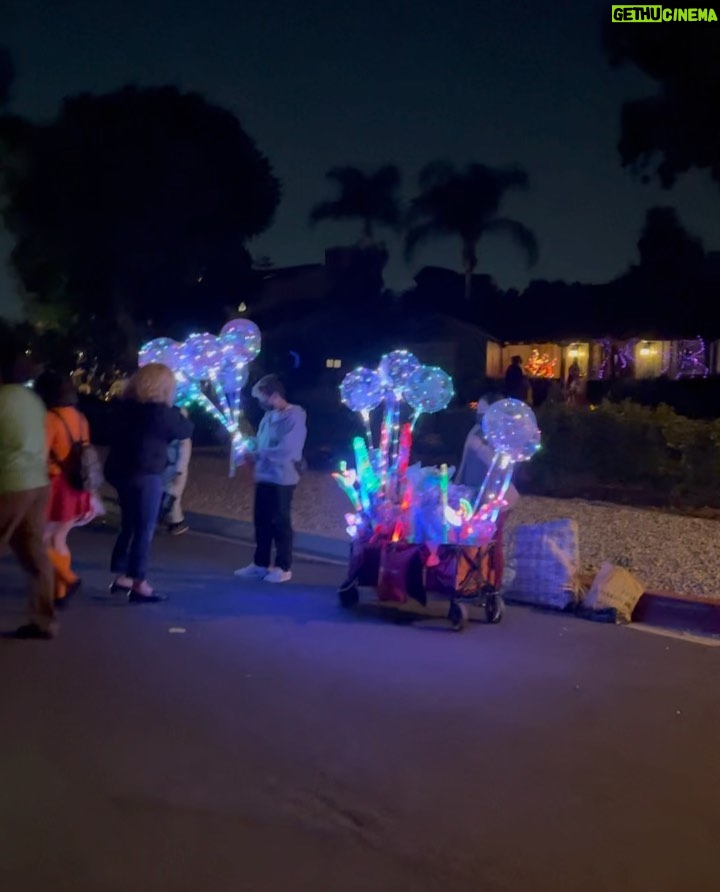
429 389
241 336
361 390
200 356
510 427
396 368
162 350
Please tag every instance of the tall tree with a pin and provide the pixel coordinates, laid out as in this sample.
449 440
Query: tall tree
371 198
7 75
464 204
133 209
675 129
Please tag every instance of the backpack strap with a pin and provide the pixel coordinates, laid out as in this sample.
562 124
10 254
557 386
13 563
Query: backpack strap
72 439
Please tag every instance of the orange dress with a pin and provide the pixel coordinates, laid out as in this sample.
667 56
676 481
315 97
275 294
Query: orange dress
66 503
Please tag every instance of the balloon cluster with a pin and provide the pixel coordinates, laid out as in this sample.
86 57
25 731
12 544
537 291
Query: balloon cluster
400 376
211 371
395 502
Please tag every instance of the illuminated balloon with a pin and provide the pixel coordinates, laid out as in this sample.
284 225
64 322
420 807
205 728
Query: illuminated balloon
429 389
396 368
240 339
162 350
362 390
510 427
200 356
233 377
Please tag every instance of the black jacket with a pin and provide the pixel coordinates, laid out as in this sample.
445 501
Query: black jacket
139 439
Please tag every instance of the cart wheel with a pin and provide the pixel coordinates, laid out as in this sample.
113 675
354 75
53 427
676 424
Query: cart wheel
494 608
349 596
458 616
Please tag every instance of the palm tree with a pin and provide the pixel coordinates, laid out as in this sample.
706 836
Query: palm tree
371 198
464 204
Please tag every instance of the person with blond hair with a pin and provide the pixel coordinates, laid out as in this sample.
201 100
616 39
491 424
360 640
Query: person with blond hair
145 424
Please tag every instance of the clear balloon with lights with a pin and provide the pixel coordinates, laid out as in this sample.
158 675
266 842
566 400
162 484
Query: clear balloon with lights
211 371
394 501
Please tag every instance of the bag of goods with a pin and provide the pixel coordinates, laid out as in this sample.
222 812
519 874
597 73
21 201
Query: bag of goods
401 573
616 589
543 563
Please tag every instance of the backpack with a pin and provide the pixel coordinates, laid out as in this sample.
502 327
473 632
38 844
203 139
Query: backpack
82 468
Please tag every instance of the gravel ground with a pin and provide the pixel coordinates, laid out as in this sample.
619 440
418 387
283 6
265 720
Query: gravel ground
667 552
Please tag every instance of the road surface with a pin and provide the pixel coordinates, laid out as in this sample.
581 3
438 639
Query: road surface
248 737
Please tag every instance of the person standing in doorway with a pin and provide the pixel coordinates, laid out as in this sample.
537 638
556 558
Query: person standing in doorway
515 382
25 489
277 463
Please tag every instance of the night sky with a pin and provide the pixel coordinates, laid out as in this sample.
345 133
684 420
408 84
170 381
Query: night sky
320 83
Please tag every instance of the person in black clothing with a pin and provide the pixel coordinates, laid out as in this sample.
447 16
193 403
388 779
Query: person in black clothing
146 423
515 385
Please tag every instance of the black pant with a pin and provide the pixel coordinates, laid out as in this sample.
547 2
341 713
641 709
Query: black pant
273 523
139 499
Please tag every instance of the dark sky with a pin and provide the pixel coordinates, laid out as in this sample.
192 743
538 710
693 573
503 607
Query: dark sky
319 83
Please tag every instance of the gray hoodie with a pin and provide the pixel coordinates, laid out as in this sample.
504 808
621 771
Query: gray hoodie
280 443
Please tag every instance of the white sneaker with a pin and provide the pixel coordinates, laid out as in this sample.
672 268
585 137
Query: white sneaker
278 575
252 571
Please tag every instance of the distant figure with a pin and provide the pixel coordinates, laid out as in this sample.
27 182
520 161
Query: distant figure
573 382
515 383
146 424
25 489
278 462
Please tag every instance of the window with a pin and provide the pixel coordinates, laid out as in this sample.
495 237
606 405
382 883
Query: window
333 363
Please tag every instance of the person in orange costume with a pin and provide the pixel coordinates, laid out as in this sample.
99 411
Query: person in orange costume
64 424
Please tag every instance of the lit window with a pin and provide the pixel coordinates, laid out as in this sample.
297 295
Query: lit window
337 364
333 363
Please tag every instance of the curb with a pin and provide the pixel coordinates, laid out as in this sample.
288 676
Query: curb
666 610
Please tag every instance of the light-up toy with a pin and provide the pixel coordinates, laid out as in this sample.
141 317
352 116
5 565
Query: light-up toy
211 372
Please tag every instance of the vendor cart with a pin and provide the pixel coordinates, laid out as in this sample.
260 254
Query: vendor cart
411 581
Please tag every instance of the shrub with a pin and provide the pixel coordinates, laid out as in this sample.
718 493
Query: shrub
626 452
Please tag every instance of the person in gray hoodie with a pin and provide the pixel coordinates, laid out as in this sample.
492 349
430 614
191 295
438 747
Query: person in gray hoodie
278 462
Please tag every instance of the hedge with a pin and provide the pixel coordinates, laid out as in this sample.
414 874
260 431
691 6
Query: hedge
625 452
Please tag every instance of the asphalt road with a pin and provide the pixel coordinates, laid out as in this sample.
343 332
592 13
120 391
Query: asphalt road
247 737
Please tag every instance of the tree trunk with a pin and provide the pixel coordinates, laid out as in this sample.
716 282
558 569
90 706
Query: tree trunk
469 260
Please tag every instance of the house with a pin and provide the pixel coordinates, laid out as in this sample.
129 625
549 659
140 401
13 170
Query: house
603 358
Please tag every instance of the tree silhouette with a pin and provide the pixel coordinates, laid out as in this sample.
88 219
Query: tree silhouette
464 204
675 130
133 209
371 198
7 75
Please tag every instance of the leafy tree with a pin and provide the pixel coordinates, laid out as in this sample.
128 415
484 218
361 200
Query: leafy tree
464 204
7 75
675 129
370 198
133 209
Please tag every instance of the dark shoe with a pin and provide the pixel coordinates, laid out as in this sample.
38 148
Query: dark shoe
32 631
177 529
71 590
136 598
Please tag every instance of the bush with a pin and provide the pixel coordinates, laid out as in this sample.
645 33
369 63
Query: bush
626 452
692 397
